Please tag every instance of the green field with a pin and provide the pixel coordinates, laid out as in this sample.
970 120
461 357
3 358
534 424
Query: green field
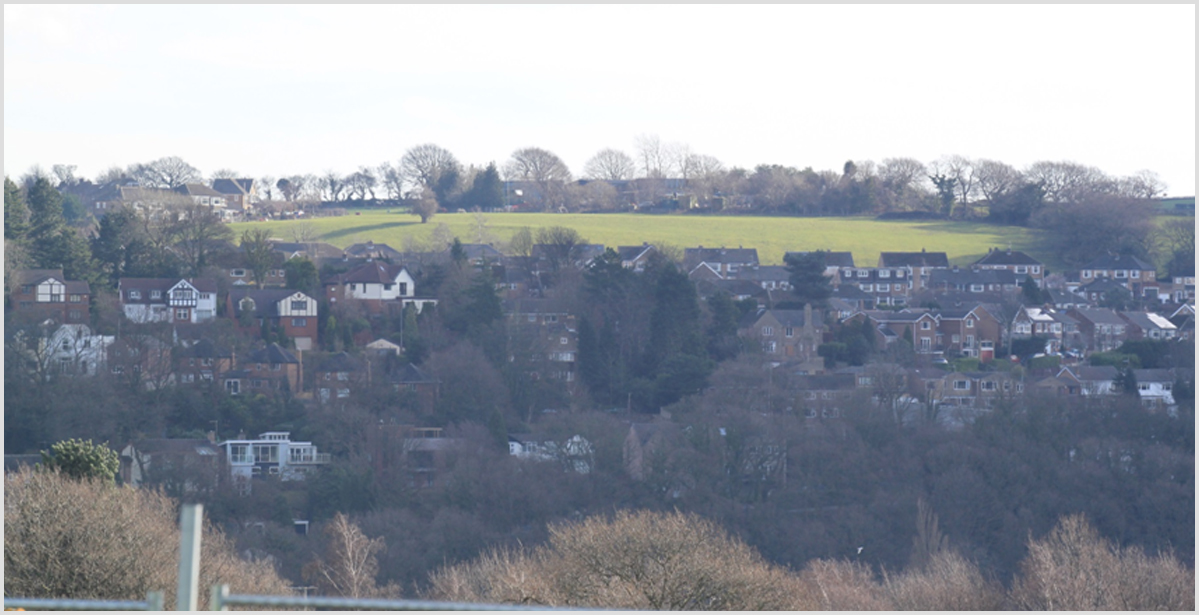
865 237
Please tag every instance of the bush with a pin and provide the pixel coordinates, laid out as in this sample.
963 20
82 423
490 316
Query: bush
85 539
635 560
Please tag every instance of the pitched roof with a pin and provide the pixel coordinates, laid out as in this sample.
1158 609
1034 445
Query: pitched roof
765 273
273 353
197 190
263 299
831 259
964 278
1099 316
373 250
234 186
693 256
371 273
913 259
629 253
996 256
1148 320
411 374
339 362
1109 262
1154 375
204 349
203 285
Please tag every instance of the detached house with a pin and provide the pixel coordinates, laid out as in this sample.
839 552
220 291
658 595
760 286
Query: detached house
635 257
270 454
239 194
970 333
292 311
726 262
47 294
338 375
167 299
378 286
786 335
203 361
918 326
266 370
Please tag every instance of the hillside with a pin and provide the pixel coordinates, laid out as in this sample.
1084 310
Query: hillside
865 237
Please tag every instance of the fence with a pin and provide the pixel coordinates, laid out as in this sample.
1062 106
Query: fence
221 598
153 603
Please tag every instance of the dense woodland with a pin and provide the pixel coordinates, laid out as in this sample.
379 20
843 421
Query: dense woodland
849 487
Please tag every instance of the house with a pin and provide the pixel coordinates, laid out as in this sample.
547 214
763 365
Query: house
382 349
921 264
919 327
378 286
418 454
1101 329
552 257
738 290
1147 325
240 194
823 396
884 285
290 311
575 454
1089 380
72 350
478 254
270 454
203 361
726 262
1097 290
180 465
144 360
203 195
769 277
47 294
237 270
314 251
1020 264
1128 271
1184 319
973 332
635 257
1156 387
167 299
972 280
372 251
1059 330
265 370
421 387
785 335
976 389
338 375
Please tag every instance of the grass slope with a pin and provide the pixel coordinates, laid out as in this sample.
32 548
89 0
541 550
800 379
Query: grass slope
864 237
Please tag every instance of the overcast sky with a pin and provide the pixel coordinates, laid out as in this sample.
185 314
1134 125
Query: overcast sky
279 90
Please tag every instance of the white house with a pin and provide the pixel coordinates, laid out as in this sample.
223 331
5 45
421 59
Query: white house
168 299
576 453
376 284
1156 387
270 454
69 349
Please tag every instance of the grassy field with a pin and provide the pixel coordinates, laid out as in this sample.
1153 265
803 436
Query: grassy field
865 237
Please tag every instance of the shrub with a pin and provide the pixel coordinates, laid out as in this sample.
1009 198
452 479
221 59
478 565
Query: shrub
86 539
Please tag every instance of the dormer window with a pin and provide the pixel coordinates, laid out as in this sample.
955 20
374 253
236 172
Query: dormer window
246 304
238 273
135 294
156 294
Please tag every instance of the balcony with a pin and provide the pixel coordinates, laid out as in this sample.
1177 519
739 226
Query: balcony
309 458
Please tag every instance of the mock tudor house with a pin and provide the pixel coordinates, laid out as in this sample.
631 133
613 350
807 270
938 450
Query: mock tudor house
292 311
168 299
1019 263
47 294
1060 330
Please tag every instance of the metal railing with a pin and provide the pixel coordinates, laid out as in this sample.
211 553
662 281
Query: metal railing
220 598
153 602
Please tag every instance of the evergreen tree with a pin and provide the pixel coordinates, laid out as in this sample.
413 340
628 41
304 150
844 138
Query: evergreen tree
809 285
45 209
1031 292
16 214
81 460
487 189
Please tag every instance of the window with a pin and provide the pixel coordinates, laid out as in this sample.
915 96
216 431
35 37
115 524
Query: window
961 385
276 367
1036 269
299 305
343 376
867 288
884 273
926 325
988 385
135 294
767 330
1086 273
206 361
1144 386
76 298
956 338
404 288
268 453
884 288
772 347
926 344
969 323
74 315
299 322
343 392
862 273
181 314
789 331
238 273
1136 274
233 386
27 289
1121 274
387 286
156 294
976 288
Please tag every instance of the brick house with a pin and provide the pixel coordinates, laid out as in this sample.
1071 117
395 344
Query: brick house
785 335
970 333
1128 271
266 370
203 361
1101 329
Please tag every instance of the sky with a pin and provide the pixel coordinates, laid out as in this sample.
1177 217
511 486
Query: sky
277 90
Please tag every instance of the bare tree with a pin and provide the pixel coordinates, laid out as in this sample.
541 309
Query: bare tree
65 174
1143 185
350 562
361 183
423 166
425 206
610 164
995 178
392 180
198 232
900 173
1069 182
333 185
654 157
259 253
166 173
224 173
544 168
960 171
